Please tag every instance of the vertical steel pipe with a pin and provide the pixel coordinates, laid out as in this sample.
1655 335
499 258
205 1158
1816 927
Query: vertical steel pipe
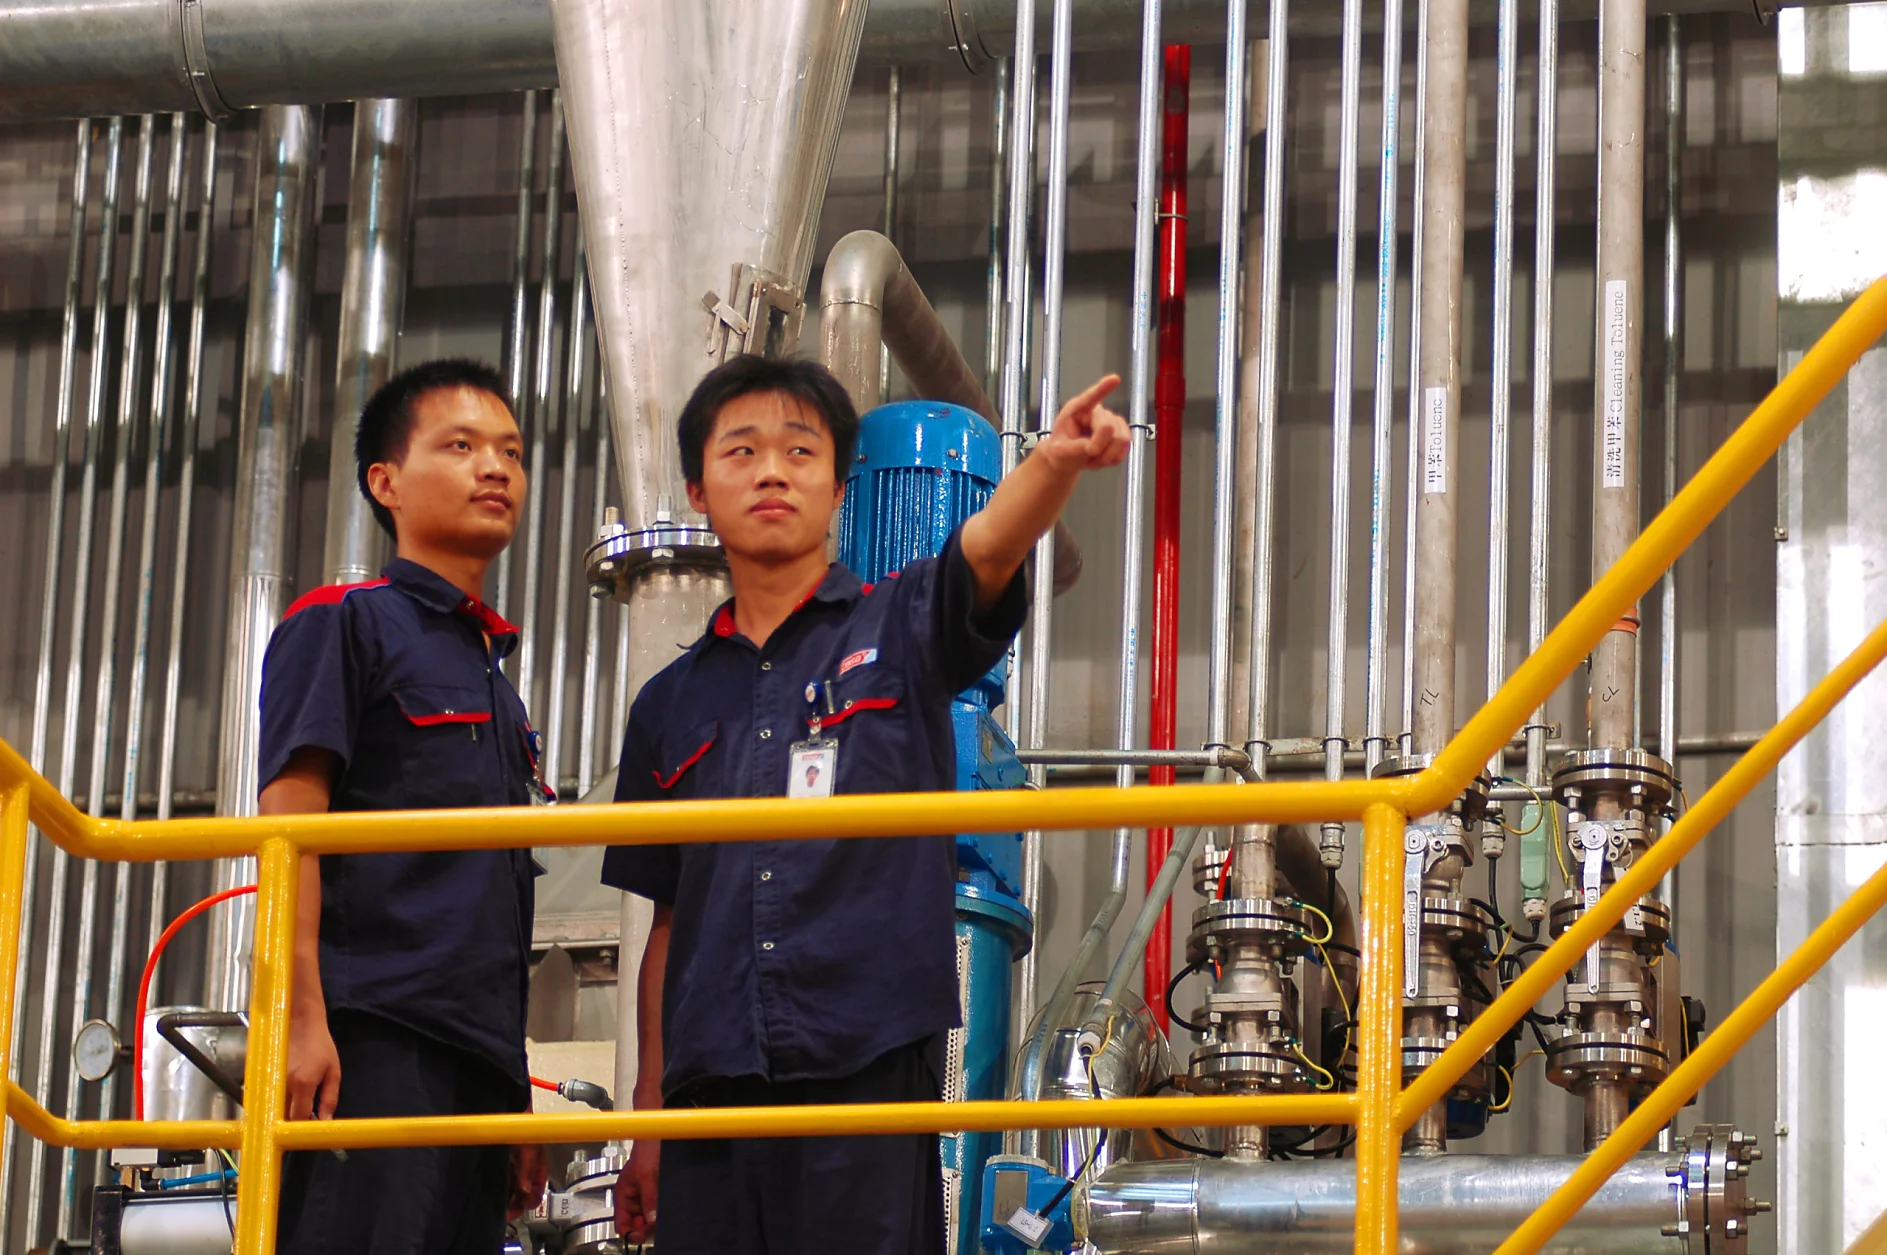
1343 393
1169 443
163 387
1507 67
1376 680
995 339
117 952
1621 262
1264 388
593 610
267 440
894 125
518 326
48 624
55 967
540 404
1445 105
1413 492
576 393
1539 556
373 301
1226 408
1020 183
1140 386
1673 366
1042 590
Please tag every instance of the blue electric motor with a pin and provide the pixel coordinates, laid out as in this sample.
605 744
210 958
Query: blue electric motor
922 468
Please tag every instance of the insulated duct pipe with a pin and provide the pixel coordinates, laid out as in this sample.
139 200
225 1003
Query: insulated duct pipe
268 436
137 56
868 299
1449 1205
1169 431
373 298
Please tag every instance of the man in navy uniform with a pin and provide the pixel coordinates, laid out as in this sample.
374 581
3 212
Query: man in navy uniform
796 972
410 968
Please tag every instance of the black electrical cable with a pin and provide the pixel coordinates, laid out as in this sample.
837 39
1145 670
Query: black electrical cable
1188 1147
222 1179
1172 987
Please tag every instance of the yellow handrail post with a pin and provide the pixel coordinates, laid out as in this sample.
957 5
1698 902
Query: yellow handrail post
1712 1053
1379 1046
258 1192
14 835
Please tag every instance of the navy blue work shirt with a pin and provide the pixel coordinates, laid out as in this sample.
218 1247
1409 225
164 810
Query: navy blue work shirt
805 960
395 678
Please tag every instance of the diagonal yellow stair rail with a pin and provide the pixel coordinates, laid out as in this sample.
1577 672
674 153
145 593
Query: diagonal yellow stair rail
1381 1108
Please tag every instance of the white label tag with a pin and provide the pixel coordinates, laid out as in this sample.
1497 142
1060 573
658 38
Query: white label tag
1617 302
811 767
1028 1226
1435 440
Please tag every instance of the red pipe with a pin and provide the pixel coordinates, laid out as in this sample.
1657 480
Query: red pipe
1169 410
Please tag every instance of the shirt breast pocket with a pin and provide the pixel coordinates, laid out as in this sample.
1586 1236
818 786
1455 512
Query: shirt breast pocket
446 728
872 724
688 764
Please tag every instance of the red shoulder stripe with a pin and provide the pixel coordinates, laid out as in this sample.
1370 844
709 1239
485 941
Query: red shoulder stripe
328 595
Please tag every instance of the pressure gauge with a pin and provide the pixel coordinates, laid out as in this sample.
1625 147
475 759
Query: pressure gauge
96 1050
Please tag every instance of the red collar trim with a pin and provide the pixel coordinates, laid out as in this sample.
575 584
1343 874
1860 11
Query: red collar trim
329 595
724 620
486 617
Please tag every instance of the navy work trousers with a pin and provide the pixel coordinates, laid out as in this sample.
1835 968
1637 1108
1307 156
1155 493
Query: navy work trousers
808 1195
417 1200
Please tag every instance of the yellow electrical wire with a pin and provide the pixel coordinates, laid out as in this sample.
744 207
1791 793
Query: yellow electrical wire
1559 849
1343 1000
1518 1064
1330 929
1507 939
1539 812
1330 1082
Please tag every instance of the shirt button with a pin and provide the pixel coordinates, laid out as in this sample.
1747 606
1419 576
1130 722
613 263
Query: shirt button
766 945
766 734
766 875
766 666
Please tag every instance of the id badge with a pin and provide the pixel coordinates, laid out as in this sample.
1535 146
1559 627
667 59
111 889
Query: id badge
812 765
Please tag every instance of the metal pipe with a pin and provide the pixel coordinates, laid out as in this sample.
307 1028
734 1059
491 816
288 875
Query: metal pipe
1507 66
1337 657
518 326
1412 494
55 967
994 338
1265 391
1376 680
1449 1205
267 440
1041 593
1673 367
186 494
593 610
147 570
540 403
48 622
576 392
1615 472
1169 432
1539 554
868 298
1021 190
373 303
894 94
1445 106
136 56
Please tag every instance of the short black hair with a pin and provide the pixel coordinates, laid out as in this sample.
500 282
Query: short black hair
805 381
386 424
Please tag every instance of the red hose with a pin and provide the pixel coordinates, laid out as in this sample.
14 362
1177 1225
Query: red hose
144 996
1169 411
144 990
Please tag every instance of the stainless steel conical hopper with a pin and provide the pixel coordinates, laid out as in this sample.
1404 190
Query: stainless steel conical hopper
701 134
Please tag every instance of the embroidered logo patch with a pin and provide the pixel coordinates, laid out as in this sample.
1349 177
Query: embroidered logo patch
863 657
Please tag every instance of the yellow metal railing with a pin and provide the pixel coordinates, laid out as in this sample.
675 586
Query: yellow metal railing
1380 1109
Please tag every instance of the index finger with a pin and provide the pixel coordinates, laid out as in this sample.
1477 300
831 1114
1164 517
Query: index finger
1095 392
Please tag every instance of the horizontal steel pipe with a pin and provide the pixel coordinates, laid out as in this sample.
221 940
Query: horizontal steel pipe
159 56
1449 1205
